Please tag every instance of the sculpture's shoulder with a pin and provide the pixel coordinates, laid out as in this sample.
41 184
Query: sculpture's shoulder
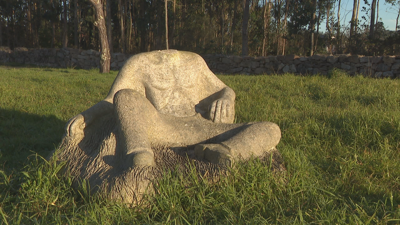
168 72
165 57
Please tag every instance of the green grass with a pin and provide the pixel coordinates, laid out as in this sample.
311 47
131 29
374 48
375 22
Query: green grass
340 142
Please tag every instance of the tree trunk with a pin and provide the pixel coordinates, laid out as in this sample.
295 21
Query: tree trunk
76 24
328 28
166 24
278 24
317 36
130 30
121 23
100 23
397 21
267 14
29 15
372 24
1 31
358 10
109 27
245 34
53 34
233 23
353 18
222 26
377 12
313 27
285 26
65 25
38 11
338 28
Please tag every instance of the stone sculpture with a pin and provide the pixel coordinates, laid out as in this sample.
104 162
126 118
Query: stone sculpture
160 101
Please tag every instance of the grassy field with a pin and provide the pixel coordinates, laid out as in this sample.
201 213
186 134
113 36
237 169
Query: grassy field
340 142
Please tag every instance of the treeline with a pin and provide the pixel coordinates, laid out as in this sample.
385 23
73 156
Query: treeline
248 27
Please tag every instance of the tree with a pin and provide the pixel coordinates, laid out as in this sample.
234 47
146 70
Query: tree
338 38
372 23
267 16
353 19
65 25
108 21
285 26
100 23
312 26
76 24
166 24
245 34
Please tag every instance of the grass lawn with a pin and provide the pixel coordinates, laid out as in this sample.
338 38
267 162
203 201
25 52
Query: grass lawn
340 142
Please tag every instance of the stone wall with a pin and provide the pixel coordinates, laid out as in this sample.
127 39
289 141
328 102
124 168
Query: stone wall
373 66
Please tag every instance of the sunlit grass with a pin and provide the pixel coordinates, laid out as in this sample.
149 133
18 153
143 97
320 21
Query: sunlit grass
340 142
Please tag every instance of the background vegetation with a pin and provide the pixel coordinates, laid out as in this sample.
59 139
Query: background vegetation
254 27
340 144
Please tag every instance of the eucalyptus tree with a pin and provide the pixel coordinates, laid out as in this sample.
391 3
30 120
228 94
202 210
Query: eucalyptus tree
105 57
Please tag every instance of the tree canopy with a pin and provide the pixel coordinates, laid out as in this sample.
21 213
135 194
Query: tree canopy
269 27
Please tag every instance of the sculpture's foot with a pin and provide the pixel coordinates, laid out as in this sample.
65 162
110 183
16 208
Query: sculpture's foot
214 153
143 158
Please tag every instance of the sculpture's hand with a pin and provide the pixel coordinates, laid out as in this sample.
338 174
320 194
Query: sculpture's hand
222 111
75 126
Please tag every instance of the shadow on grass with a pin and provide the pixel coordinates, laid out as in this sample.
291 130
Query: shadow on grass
23 134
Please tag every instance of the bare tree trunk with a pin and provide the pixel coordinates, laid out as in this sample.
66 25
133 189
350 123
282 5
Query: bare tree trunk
121 23
338 38
377 12
397 21
233 23
328 28
313 27
267 11
37 22
372 24
316 38
358 10
53 33
222 26
130 27
353 18
278 24
284 26
173 23
108 21
29 15
166 24
76 24
1 31
65 26
245 34
100 23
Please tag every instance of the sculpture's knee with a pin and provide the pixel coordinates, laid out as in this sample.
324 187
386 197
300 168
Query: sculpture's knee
269 130
128 97
129 102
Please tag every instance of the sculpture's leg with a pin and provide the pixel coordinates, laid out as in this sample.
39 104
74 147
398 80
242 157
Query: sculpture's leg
253 139
135 115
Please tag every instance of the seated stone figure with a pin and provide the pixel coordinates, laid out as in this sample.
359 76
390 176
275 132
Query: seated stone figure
161 98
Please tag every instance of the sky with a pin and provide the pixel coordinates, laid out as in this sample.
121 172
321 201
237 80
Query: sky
387 13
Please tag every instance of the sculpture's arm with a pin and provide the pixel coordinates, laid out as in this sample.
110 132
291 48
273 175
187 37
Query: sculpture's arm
127 78
75 125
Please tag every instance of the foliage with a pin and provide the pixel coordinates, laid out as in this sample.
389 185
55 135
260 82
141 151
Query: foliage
340 143
202 26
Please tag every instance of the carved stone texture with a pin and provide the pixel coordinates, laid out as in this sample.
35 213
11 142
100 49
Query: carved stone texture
165 110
